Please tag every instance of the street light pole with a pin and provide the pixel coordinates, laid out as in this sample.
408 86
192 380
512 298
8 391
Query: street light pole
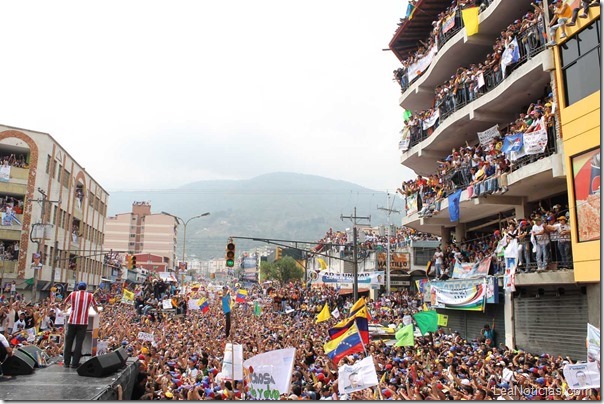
184 234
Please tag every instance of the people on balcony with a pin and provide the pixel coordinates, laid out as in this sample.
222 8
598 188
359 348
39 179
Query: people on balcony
14 160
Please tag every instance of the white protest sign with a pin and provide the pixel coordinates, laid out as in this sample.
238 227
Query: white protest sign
230 366
31 335
593 344
486 136
582 376
357 377
270 373
193 304
535 142
166 304
60 319
145 336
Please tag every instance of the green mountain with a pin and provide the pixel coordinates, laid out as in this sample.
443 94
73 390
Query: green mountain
285 206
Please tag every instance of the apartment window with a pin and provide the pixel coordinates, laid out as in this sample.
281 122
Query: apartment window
60 173
581 67
48 160
66 176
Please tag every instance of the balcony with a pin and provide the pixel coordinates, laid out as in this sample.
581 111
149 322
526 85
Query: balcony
461 50
8 268
17 183
534 181
497 106
11 229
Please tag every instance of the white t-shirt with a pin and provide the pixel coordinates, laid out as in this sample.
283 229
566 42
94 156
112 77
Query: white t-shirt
542 239
438 257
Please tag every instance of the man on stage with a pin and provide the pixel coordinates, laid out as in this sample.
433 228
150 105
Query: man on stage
80 302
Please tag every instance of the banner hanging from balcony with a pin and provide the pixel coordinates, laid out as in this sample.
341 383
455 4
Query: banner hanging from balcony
453 285
431 120
535 142
510 55
4 173
411 204
403 145
464 270
486 136
449 22
470 20
454 205
470 298
512 143
422 64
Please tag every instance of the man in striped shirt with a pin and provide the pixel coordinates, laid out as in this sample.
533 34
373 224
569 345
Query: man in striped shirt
80 302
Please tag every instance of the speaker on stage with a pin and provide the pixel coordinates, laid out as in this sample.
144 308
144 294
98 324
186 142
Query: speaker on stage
19 363
122 353
100 366
36 354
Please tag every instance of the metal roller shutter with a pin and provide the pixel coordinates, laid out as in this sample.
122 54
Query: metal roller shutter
551 324
469 323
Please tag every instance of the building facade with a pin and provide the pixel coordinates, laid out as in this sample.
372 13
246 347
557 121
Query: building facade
53 215
143 234
578 71
488 130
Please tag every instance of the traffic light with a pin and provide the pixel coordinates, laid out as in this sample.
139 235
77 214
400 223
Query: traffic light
278 252
230 255
133 262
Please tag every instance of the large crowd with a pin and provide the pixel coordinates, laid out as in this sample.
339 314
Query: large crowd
184 362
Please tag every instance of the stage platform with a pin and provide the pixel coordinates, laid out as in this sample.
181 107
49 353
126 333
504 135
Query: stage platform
56 383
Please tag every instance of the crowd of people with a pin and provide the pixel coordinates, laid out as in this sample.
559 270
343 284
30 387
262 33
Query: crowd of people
447 24
185 359
469 83
14 160
484 168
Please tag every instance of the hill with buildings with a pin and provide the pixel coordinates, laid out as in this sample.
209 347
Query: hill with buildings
285 206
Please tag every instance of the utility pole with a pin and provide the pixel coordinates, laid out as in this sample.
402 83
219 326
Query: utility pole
389 210
43 201
355 262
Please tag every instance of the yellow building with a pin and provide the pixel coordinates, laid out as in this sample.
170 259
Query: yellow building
578 70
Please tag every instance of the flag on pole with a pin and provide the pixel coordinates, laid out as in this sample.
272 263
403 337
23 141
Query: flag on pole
324 315
241 296
470 20
203 305
357 306
427 321
360 318
404 336
348 343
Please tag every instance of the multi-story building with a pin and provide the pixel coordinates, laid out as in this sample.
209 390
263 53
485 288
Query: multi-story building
151 237
53 215
462 91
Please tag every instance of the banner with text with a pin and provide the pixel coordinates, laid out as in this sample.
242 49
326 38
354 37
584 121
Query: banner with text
464 270
398 261
422 64
357 377
270 373
373 278
472 298
486 136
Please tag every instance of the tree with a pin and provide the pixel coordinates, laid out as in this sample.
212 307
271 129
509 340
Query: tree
283 270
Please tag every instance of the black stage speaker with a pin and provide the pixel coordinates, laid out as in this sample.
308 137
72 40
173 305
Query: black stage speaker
19 363
100 366
35 353
123 354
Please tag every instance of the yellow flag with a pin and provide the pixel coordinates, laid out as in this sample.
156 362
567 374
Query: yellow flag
322 263
470 20
324 315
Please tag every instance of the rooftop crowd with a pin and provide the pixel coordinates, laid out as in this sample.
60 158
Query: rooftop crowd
185 360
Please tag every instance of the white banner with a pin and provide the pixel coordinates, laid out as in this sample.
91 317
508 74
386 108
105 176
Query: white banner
357 377
270 373
4 173
336 313
167 276
166 304
373 278
480 80
192 305
145 336
418 67
535 142
403 145
582 376
486 136
428 123
230 366
593 344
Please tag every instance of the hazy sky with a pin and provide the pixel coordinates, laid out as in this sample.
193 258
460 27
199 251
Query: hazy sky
157 94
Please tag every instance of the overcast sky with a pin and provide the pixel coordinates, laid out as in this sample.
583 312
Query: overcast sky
157 94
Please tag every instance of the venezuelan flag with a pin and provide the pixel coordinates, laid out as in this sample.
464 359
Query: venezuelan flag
203 305
360 319
348 343
241 296
358 306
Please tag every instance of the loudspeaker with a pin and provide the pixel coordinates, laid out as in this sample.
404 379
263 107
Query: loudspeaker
19 363
100 366
36 354
122 353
